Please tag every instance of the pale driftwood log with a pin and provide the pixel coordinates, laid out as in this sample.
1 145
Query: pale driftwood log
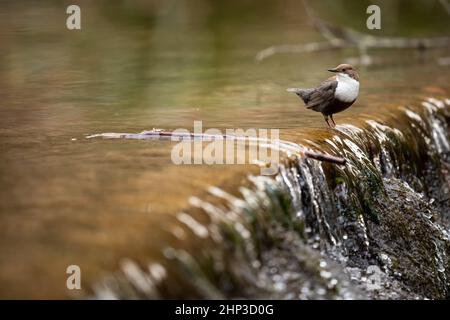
446 5
284 146
338 37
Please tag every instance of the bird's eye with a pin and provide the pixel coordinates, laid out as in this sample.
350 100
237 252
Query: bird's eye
344 70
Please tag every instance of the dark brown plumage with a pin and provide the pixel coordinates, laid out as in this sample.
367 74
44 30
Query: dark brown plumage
334 94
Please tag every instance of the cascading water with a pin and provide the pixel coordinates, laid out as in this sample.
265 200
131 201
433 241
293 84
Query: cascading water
377 227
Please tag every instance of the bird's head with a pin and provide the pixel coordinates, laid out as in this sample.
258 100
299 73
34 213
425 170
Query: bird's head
346 69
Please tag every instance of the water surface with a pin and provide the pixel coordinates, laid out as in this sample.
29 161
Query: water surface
135 66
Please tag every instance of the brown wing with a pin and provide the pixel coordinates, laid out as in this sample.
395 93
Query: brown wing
322 95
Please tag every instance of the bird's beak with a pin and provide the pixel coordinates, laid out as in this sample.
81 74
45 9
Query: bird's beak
333 70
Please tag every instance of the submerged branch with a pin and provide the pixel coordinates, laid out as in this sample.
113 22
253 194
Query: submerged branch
300 48
281 145
338 37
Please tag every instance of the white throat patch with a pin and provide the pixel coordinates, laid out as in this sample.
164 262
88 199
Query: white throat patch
347 89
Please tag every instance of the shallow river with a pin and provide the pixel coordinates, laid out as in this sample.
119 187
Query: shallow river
65 199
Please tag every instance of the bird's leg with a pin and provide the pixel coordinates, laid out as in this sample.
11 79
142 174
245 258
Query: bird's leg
326 120
332 120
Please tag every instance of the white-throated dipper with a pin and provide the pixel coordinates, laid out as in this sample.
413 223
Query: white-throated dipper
334 94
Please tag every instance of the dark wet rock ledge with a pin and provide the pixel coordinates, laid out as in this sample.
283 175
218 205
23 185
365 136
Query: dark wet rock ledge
376 228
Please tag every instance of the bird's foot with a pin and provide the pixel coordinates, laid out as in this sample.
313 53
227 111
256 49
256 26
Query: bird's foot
332 120
332 125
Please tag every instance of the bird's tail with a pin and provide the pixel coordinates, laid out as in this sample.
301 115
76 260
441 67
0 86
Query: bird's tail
304 94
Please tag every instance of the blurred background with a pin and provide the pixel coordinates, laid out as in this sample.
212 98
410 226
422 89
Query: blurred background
136 65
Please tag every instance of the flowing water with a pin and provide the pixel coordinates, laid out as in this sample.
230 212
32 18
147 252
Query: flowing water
140 226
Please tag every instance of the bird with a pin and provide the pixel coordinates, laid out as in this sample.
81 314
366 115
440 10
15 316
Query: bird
334 95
